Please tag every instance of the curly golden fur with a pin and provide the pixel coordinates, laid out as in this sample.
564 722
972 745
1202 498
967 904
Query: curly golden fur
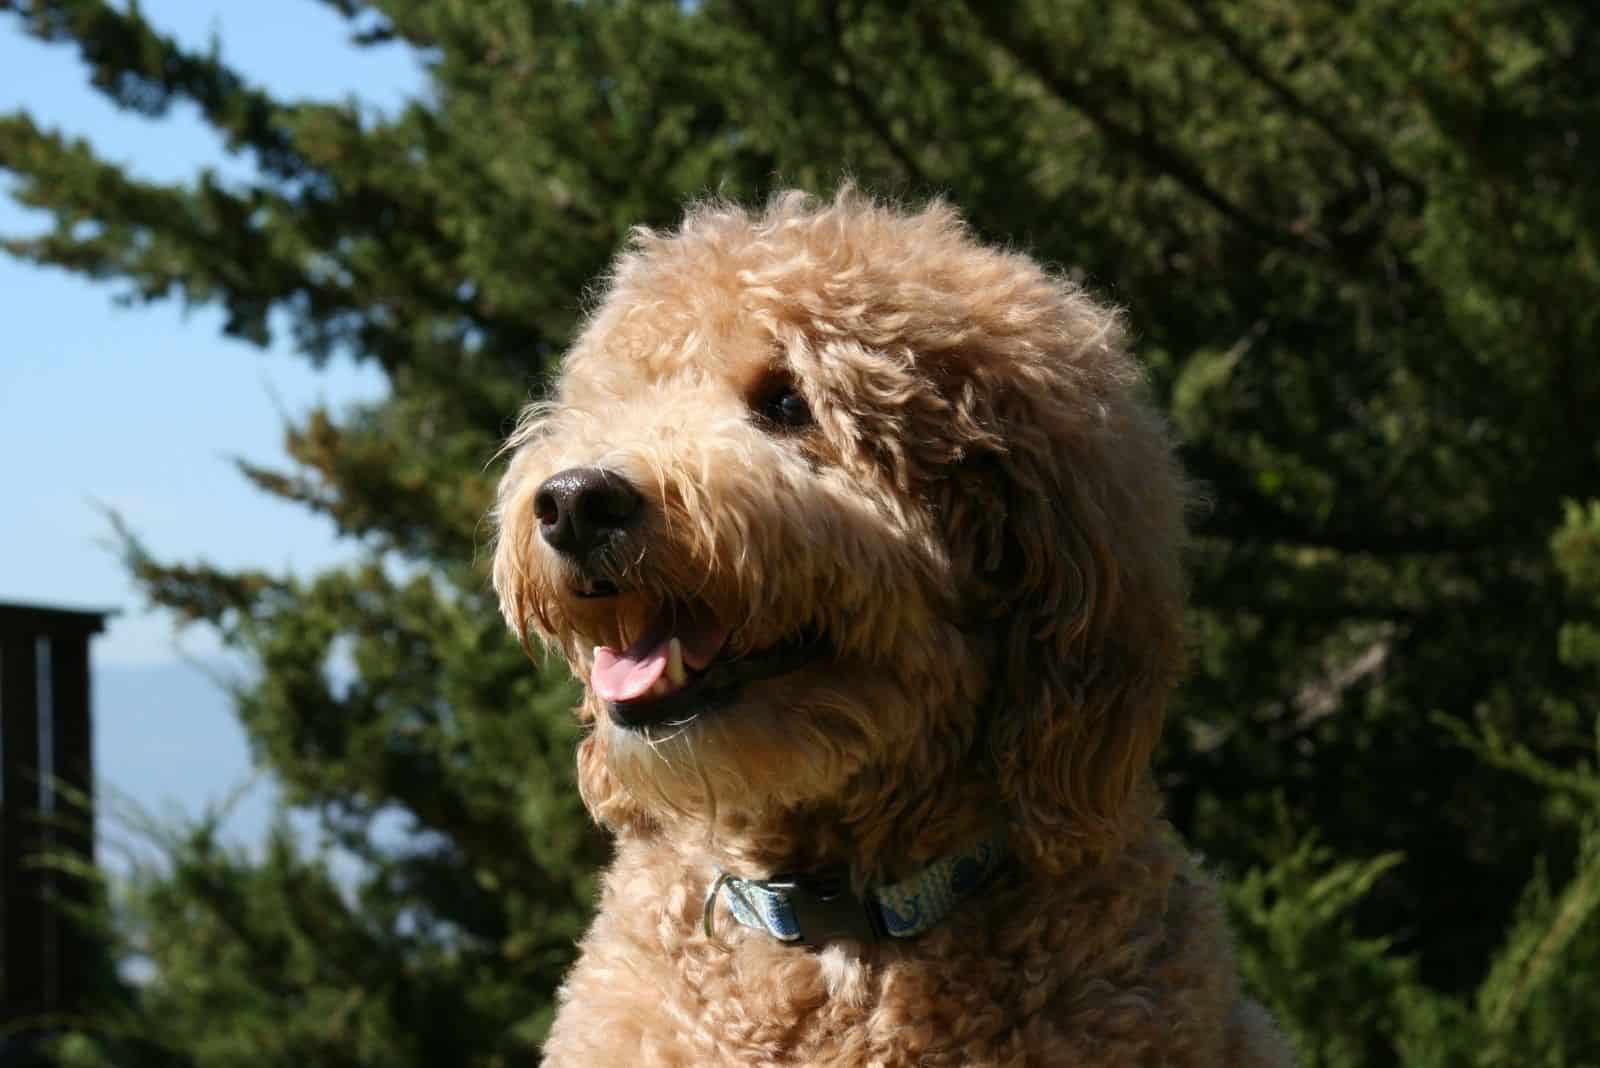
975 523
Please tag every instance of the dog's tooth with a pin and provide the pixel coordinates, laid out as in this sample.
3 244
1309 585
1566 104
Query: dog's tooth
675 671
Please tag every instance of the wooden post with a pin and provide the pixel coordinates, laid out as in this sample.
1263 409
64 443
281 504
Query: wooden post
46 806
23 905
73 819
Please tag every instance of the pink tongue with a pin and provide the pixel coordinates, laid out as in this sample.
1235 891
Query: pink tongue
626 676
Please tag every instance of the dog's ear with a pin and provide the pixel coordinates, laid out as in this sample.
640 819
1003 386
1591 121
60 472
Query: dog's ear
1064 524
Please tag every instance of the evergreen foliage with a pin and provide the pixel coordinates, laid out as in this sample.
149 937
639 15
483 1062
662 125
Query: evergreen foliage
1357 244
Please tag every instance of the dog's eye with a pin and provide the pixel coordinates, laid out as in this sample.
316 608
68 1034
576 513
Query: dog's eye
782 406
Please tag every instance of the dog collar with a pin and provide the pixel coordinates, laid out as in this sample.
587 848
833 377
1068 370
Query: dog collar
813 910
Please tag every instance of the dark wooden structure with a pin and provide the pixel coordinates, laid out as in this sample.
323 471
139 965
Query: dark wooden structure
46 807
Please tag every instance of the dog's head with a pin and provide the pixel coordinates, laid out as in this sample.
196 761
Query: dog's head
833 502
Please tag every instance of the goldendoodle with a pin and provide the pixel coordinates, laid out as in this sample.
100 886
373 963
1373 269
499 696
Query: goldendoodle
868 551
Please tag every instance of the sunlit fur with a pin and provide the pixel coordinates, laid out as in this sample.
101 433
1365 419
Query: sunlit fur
985 523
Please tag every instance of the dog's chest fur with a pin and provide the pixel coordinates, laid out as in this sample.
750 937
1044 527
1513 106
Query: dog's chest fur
1117 969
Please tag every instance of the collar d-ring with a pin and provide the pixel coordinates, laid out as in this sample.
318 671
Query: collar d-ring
708 917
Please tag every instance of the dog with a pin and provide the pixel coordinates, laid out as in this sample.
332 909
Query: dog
867 548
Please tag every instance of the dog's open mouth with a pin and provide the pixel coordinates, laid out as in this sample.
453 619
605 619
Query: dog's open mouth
682 665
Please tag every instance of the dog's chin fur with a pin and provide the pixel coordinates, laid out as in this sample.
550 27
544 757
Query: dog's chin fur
764 750
803 738
980 525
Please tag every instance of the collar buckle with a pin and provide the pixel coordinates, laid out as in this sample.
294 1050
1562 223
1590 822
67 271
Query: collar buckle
825 909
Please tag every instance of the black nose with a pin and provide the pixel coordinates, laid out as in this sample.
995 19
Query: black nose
580 507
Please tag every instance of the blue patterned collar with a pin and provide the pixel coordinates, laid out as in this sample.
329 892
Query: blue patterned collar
812 910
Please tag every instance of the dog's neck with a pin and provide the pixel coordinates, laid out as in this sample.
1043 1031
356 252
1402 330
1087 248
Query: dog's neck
880 837
896 836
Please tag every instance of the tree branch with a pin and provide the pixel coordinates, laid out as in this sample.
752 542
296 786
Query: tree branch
864 106
1355 144
141 69
1251 518
1038 61
859 101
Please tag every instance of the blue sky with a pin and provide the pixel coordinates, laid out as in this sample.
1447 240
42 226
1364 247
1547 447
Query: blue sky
140 409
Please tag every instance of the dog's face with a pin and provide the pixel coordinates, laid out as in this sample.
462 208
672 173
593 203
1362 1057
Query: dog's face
833 499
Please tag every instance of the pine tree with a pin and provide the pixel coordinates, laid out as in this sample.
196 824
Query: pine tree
1356 244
